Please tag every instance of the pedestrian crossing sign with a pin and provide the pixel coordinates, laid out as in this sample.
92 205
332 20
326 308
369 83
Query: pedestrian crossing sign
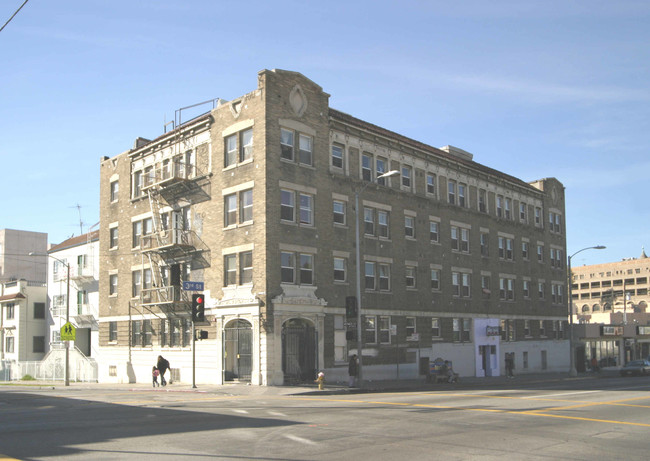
68 332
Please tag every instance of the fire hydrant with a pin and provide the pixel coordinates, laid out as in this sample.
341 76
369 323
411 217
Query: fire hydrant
321 381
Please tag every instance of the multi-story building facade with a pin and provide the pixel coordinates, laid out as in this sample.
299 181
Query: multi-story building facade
81 253
15 262
610 310
255 200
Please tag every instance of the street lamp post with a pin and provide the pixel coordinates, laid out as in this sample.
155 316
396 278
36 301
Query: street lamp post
67 315
357 216
572 363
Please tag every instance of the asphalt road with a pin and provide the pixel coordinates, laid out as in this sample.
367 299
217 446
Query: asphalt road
580 419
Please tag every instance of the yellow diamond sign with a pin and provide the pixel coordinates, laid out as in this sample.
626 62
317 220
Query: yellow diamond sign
68 332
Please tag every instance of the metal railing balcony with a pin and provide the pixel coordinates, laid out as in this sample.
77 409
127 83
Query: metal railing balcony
163 295
167 239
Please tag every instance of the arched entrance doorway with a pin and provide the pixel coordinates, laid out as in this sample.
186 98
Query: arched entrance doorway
237 351
299 363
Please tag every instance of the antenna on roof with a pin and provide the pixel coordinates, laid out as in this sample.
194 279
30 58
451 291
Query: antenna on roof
81 223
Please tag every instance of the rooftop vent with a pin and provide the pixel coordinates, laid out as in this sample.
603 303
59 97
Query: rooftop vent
456 152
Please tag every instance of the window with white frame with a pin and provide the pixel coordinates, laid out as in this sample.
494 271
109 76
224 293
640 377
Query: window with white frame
506 248
288 267
525 249
538 217
411 326
305 155
506 288
384 277
115 188
411 272
112 237
137 181
245 267
407 180
246 206
508 208
523 212
370 273
499 209
460 239
455 283
461 329
381 168
112 331
451 192
465 287
540 253
541 290
435 279
136 283
366 167
527 328
409 226
238 147
306 209
434 231
383 224
286 144
384 329
304 146
526 288
141 228
485 284
370 329
112 284
230 210
482 201
305 200
557 296
337 156
304 271
287 205
10 309
485 244
339 207
431 184
369 221
435 328
340 269
462 195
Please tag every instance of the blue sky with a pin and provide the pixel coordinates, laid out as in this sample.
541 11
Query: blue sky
533 88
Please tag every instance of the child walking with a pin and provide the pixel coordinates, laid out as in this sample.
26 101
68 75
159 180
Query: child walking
154 375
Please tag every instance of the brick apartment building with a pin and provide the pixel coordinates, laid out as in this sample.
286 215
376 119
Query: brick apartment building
255 199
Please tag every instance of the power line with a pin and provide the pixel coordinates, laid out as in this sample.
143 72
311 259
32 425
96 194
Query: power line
12 16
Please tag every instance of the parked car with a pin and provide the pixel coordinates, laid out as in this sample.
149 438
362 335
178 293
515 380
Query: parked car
636 367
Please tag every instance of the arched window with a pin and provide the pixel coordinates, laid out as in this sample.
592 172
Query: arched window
595 308
585 308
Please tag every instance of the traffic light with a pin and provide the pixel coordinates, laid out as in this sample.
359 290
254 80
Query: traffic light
351 307
198 307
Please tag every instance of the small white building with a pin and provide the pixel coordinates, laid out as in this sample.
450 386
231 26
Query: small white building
80 255
23 324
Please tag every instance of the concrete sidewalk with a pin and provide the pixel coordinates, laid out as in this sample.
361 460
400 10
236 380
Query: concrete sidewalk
404 385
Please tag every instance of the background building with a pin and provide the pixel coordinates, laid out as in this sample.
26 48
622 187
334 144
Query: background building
82 254
610 303
23 325
15 264
256 200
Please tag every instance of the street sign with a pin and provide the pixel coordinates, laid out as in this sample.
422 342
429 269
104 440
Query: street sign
193 286
68 332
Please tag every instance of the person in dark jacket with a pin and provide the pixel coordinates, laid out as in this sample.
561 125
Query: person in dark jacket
163 366
352 370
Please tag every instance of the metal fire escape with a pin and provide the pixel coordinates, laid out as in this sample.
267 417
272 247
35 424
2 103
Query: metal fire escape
171 185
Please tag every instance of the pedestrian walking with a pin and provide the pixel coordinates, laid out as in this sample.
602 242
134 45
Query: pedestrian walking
353 369
154 375
510 365
163 366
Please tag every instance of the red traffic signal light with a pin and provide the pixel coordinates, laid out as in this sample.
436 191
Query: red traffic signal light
198 308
